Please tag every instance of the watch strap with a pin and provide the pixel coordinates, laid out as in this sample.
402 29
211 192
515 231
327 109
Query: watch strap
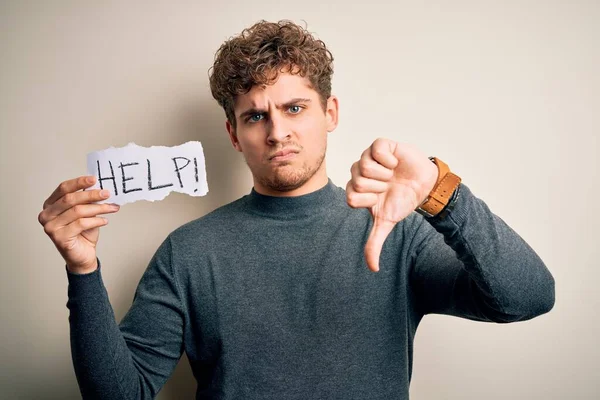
444 188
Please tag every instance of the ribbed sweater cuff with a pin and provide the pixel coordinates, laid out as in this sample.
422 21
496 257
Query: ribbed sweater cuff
86 290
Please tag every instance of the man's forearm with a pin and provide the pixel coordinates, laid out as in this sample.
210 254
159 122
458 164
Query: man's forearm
498 276
100 356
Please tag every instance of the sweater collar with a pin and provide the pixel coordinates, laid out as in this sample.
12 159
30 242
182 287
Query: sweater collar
293 207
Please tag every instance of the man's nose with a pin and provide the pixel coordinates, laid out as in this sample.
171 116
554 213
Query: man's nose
278 129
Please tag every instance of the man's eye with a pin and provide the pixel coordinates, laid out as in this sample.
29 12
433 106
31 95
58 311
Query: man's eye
295 109
255 118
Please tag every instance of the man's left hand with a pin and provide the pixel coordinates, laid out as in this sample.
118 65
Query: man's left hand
391 179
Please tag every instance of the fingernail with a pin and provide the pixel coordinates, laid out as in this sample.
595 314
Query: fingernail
90 179
104 193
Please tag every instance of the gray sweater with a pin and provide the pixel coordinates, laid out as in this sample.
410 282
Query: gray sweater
271 298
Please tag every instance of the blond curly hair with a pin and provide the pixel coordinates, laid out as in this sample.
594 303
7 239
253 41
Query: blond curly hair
258 54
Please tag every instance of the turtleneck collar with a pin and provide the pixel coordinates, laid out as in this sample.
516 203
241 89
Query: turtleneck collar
293 207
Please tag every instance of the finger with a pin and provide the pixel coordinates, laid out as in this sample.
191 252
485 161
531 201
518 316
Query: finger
70 200
369 168
69 186
360 200
365 185
78 212
83 211
379 232
382 151
76 227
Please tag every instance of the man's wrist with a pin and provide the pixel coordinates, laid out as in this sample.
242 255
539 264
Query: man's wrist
451 203
82 270
442 193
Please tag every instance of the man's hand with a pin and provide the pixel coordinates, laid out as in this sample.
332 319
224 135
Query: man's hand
72 222
391 179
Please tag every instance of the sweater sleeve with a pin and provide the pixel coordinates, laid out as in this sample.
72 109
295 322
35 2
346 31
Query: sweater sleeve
471 264
131 360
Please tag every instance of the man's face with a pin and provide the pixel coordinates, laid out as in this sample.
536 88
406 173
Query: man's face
282 132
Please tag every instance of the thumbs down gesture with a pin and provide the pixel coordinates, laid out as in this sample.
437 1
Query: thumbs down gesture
391 180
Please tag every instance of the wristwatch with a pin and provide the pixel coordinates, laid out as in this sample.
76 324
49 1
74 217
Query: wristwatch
443 191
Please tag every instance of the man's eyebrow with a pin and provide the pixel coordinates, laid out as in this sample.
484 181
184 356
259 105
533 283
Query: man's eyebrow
253 110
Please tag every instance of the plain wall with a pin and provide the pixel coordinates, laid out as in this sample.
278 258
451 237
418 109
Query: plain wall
507 93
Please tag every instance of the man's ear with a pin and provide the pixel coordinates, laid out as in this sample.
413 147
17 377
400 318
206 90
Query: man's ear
233 136
332 113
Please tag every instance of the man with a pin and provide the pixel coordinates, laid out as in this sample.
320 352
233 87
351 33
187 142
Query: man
274 296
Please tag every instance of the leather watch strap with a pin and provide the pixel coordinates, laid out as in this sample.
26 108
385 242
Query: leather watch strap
445 186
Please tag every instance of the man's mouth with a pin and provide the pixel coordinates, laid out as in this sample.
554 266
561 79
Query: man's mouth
284 155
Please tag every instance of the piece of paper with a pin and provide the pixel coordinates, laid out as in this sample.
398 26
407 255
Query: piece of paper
133 173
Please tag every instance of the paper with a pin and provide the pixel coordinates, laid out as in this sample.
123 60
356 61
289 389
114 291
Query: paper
133 173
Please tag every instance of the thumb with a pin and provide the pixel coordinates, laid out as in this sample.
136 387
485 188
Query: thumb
379 232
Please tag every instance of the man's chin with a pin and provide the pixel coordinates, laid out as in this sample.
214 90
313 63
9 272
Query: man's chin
286 181
284 185
289 175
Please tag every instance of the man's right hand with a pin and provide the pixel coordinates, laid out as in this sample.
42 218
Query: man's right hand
71 220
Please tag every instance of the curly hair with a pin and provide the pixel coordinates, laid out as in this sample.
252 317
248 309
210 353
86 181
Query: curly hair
258 54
